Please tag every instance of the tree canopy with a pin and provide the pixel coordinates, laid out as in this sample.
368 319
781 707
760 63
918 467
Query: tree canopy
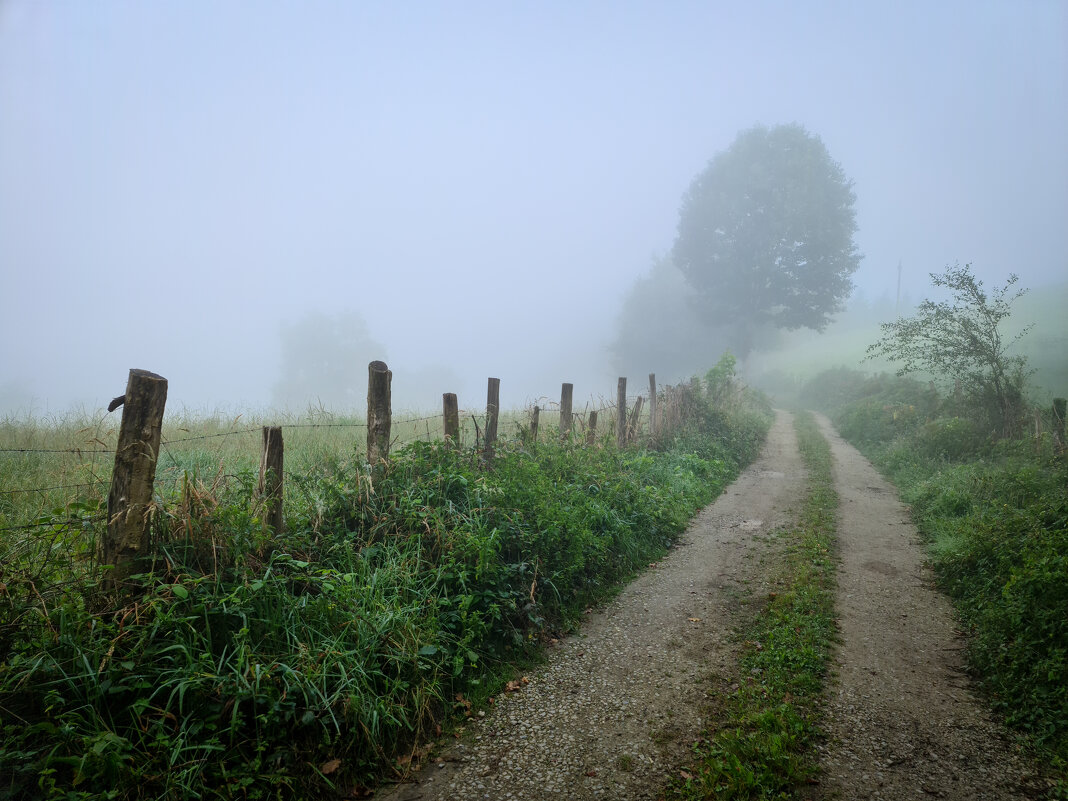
683 341
324 362
962 339
765 234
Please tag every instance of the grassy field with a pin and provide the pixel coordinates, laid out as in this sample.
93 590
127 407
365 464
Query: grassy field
48 465
245 665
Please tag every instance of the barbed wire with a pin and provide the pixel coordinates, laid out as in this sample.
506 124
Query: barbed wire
47 523
53 450
323 425
208 436
52 489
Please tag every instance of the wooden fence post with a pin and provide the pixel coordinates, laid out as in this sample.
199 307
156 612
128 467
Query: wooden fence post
270 488
621 412
493 408
1060 405
566 393
450 410
635 418
126 540
379 411
534 418
652 404
591 429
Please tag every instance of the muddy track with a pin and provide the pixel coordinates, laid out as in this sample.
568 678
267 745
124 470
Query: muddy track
613 712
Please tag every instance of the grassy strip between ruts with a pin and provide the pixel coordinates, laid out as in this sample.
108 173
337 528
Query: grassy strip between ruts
759 745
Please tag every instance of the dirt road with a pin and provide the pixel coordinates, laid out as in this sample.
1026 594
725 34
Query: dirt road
901 719
615 709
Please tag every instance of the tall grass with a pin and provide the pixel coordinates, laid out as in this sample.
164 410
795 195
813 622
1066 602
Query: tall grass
246 666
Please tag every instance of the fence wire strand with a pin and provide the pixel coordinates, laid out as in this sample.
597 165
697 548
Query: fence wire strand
545 405
51 489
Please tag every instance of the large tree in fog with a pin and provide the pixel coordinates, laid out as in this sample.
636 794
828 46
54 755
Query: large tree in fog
324 361
765 236
682 344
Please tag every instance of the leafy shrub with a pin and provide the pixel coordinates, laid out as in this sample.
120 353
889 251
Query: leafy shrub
951 438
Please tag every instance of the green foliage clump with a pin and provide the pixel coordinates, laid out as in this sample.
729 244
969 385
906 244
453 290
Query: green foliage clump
1001 542
963 339
248 666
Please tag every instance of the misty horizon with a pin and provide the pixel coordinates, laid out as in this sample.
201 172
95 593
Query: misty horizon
184 186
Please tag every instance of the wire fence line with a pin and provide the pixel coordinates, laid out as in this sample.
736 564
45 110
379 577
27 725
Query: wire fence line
238 432
181 471
54 522
550 406
78 451
51 489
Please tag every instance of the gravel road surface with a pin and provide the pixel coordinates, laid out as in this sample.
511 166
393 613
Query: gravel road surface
614 711
902 719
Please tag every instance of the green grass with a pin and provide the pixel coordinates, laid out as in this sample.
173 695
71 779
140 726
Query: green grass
760 743
314 665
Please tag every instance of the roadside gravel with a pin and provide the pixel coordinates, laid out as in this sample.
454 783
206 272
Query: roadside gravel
614 711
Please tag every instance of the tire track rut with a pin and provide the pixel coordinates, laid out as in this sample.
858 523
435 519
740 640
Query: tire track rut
901 718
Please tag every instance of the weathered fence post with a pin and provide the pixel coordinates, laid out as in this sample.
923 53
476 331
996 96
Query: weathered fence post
635 418
652 404
450 410
534 418
270 488
566 393
621 412
591 429
493 409
379 411
126 540
1059 408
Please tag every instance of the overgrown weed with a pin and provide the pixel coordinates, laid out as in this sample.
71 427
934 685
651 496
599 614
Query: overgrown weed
315 664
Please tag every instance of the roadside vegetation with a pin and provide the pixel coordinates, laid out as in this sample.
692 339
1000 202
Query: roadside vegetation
317 664
986 476
760 743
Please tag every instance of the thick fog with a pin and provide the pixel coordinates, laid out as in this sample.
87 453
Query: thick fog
256 199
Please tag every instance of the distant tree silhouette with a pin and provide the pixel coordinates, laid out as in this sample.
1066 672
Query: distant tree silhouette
765 235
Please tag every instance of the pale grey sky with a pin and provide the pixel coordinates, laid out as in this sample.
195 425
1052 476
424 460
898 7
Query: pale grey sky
480 181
